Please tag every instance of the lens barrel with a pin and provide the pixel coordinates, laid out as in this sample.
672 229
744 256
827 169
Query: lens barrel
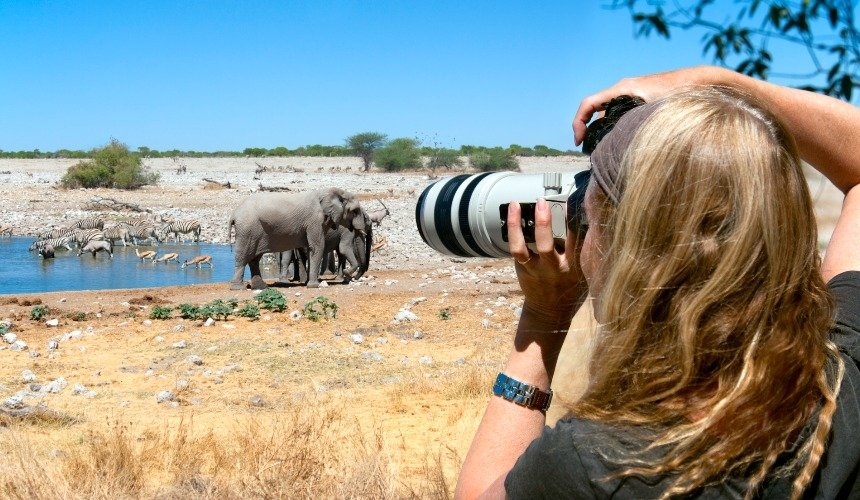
459 215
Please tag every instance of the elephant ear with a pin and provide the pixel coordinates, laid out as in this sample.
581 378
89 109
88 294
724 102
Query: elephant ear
332 204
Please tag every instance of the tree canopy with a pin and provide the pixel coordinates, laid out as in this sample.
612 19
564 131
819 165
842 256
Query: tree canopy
824 29
363 144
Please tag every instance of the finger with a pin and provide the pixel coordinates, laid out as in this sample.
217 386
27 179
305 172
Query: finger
543 229
516 240
586 110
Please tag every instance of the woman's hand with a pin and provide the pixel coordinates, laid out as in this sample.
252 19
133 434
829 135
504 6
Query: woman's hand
648 87
552 282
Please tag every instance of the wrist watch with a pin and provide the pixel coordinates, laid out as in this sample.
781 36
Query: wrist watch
521 393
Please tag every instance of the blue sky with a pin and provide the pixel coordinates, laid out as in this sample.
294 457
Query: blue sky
205 76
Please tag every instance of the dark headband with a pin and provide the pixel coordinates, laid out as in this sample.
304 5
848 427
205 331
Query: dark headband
607 155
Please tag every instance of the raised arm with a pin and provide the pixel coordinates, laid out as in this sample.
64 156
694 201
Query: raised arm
827 132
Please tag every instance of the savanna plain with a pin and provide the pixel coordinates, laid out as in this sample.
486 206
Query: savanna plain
380 401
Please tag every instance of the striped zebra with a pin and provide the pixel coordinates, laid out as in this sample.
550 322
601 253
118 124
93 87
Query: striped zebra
89 223
181 227
63 241
56 233
139 233
84 236
115 233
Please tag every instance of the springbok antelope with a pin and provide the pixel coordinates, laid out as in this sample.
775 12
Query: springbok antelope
168 257
147 254
5 229
377 215
198 261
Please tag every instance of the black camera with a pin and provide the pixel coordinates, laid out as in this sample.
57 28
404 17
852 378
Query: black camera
466 215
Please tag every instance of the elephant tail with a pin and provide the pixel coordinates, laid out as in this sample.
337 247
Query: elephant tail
229 227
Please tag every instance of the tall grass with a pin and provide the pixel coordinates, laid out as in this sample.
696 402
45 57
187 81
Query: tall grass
301 454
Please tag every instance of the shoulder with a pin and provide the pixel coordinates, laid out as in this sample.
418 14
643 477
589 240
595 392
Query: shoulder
845 288
580 459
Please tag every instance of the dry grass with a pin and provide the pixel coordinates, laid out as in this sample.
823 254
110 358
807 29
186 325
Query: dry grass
301 454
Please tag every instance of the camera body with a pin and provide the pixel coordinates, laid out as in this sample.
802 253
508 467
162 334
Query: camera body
466 215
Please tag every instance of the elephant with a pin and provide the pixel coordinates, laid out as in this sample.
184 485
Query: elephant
348 246
277 222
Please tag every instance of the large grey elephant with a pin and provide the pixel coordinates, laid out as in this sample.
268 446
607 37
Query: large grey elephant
349 246
276 222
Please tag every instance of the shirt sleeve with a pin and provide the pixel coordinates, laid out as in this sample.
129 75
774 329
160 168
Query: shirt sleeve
845 288
549 468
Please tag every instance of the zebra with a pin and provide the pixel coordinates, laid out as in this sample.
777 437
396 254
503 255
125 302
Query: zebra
56 233
89 223
137 233
183 227
63 241
114 233
82 237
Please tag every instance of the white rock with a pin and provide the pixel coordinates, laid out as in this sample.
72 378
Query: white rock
55 386
159 338
28 376
18 345
209 322
10 338
485 323
147 322
74 334
53 345
426 360
52 322
405 315
323 284
418 335
164 396
296 315
180 345
488 312
356 338
195 359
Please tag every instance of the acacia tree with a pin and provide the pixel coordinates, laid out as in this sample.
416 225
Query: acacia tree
824 29
363 145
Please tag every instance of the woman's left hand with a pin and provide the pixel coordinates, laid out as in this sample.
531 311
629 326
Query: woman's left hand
552 282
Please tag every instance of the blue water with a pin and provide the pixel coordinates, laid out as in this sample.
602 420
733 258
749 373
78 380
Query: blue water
25 272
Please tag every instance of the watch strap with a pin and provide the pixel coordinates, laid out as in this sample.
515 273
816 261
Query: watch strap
521 393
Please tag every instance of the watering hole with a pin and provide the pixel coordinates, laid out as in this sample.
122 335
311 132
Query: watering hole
22 271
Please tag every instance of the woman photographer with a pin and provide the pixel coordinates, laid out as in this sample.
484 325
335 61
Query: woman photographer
725 363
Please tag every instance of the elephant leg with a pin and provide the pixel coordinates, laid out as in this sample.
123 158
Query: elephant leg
257 282
315 256
237 282
345 248
301 262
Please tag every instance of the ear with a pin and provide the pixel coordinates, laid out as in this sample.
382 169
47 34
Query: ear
332 206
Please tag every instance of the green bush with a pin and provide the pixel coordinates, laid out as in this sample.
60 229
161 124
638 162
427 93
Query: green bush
3 329
189 311
38 312
399 154
249 310
79 316
445 314
320 308
159 312
217 309
444 158
272 299
493 159
112 166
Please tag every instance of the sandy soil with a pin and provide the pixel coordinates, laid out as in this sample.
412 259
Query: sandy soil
423 383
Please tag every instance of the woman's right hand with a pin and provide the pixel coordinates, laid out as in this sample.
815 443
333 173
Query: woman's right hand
648 87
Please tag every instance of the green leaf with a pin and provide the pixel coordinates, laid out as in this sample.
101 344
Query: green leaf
846 86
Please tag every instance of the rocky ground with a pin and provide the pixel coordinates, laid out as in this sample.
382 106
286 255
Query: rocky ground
406 365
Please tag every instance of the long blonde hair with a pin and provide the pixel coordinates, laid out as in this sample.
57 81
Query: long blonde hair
717 315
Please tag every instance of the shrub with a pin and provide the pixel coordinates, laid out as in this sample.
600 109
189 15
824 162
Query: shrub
444 158
445 314
112 166
218 309
271 299
249 310
3 329
233 302
320 308
79 316
38 312
159 312
189 311
399 154
493 159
